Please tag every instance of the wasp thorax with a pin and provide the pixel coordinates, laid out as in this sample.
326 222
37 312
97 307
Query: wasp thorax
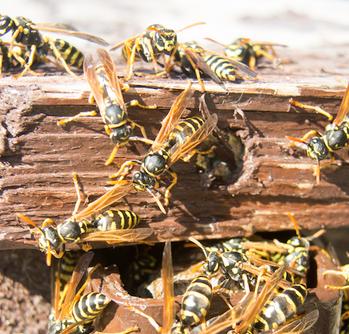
121 134
154 164
50 236
69 231
317 149
142 180
336 138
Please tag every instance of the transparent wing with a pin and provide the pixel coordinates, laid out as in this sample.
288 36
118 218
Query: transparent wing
198 137
78 274
118 191
343 109
299 325
118 236
173 117
168 315
61 29
110 69
200 63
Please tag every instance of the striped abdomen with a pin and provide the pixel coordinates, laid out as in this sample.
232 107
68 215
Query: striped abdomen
281 308
233 244
221 66
115 220
196 301
66 267
182 132
89 307
70 53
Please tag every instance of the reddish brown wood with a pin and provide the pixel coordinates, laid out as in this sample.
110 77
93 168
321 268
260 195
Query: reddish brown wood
38 157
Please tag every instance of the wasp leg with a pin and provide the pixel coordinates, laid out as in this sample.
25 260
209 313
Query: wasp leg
142 139
169 188
64 121
78 190
136 103
334 272
252 63
91 99
197 74
13 39
140 127
316 109
131 60
86 247
334 287
27 66
266 54
112 155
124 170
58 56
1 62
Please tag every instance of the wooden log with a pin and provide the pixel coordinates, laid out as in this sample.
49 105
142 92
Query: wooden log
38 157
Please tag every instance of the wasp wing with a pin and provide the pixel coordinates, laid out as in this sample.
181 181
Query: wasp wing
118 191
118 236
182 150
168 315
298 325
173 117
110 70
60 28
343 109
196 60
72 285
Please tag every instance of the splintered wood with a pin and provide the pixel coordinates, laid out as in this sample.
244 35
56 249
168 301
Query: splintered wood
38 156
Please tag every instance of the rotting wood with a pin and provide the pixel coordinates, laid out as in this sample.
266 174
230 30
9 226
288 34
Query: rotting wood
38 157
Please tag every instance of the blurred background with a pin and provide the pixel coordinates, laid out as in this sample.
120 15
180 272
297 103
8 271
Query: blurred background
297 23
316 27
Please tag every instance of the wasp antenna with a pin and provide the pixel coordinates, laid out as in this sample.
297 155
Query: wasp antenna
191 25
316 235
199 244
295 224
28 221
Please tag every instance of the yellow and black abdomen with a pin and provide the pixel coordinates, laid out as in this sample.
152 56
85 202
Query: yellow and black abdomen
70 53
66 267
115 220
281 308
221 66
196 301
182 132
89 306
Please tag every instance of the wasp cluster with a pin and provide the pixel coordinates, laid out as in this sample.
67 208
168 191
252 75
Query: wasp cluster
272 276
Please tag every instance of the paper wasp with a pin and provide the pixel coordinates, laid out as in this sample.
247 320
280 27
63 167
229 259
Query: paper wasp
195 60
177 139
250 52
111 226
322 146
29 34
243 317
154 42
106 90
74 311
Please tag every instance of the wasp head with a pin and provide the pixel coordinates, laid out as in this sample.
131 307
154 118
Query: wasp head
121 134
49 238
317 149
142 181
165 40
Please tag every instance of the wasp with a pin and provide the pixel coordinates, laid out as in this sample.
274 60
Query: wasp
74 311
154 42
250 52
177 139
195 60
322 146
106 89
29 34
245 316
111 226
